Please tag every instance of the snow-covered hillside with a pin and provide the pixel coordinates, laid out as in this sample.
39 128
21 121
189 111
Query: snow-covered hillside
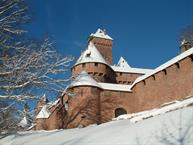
156 130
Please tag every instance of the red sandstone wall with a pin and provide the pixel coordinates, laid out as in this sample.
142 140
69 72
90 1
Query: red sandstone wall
55 121
126 78
84 107
100 72
111 100
164 87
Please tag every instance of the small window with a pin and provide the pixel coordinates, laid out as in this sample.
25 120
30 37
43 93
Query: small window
83 65
100 74
95 64
120 73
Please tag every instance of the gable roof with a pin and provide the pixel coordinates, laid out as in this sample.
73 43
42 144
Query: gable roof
44 112
91 54
123 63
84 79
164 66
123 66
101 34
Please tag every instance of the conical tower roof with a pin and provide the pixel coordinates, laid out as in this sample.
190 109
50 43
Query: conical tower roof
84 79
91 54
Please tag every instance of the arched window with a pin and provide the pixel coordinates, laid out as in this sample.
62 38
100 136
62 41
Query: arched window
120 111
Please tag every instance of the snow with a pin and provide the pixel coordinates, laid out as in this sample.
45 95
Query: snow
91 54
131 70
147 132
139 116
101 34
44 112
23 122
84 79
115 87
123 63
164 66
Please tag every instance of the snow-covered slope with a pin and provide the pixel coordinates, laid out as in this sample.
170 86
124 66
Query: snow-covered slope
152 131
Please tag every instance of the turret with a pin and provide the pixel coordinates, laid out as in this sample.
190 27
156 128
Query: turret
103 43
185 45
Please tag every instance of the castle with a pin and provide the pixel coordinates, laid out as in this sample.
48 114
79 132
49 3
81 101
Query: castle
101 91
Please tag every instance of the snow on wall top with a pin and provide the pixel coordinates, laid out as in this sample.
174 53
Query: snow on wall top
101 34
91 54
115 87
84 79
44 112
165 65
131 70
139 116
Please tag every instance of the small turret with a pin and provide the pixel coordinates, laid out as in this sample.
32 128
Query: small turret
185 45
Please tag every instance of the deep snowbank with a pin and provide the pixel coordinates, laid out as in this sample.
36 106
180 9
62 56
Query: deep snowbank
121 132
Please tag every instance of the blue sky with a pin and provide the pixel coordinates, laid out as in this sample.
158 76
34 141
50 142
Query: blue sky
145 32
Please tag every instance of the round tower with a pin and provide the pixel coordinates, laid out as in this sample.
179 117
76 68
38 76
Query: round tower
94 64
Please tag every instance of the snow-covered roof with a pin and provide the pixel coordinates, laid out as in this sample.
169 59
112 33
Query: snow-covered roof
165 65
91 54
101 34
44 112
115 87
123 63
84 79
123 66
130 70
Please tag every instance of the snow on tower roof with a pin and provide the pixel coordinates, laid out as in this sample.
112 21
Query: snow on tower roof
123 66
101 34
165 65
84 79
44 112
91 54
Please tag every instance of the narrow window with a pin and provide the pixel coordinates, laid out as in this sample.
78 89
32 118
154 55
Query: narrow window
120 73
144 82
165 72
178 65
191 56
96 64
153 77
83 65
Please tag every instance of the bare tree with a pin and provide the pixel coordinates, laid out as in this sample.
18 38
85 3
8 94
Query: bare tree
28 69
13 13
